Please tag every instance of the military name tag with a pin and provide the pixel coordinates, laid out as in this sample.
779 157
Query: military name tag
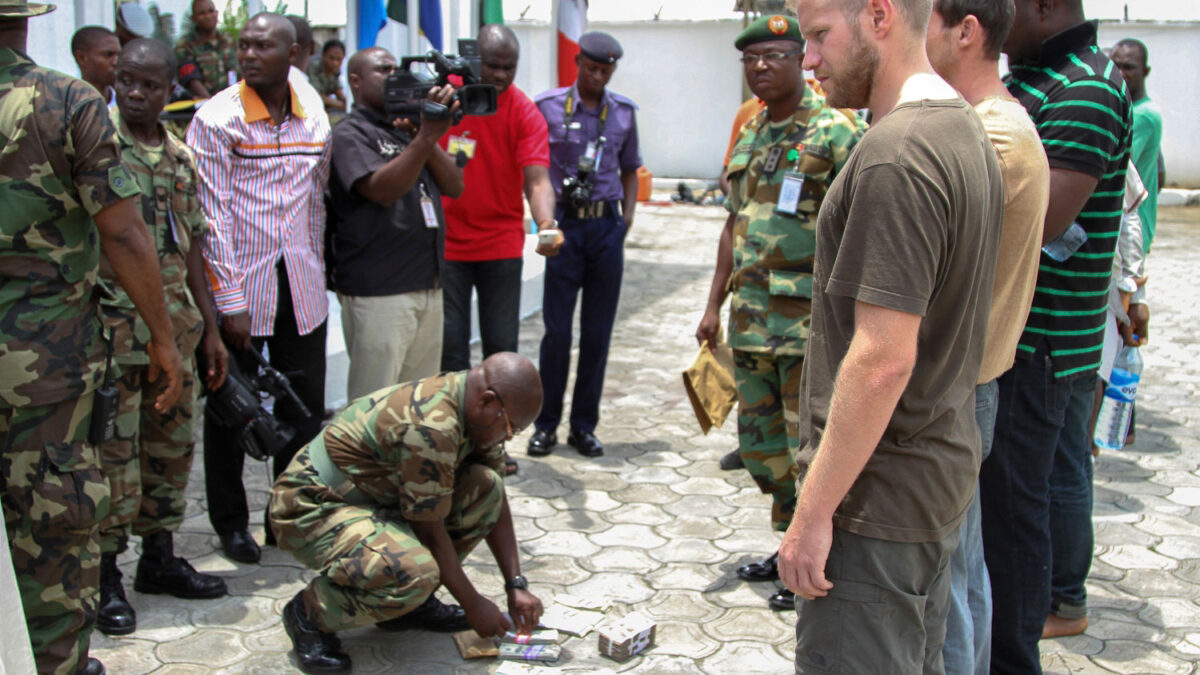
789 193
772 162
461 144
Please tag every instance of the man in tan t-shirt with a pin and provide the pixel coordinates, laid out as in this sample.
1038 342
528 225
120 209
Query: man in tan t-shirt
963 43
906 251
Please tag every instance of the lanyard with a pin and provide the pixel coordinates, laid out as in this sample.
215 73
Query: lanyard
569 110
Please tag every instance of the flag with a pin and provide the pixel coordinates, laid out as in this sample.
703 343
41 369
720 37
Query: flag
491 11
431 18
372 17
572 22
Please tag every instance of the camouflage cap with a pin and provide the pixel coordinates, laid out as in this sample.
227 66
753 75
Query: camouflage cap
768 28
15 9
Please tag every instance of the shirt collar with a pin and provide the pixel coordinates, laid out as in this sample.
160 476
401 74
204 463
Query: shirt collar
126 139
10 57
1069 41
256 110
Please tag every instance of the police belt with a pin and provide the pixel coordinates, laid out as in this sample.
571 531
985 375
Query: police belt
332 476
590 211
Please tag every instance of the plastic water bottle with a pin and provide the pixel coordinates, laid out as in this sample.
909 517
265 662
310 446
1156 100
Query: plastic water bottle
1065 245
1112 424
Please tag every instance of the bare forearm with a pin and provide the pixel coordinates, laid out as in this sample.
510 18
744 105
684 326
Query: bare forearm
126 243
394 179
434 537
198 89
502 541
629 187
446 174
539 191
869 384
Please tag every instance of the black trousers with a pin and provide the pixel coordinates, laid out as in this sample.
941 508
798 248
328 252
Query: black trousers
302 359
498 283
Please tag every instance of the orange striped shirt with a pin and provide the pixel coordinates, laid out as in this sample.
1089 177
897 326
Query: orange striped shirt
262 189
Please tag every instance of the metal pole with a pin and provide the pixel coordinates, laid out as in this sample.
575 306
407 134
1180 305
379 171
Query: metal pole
414 26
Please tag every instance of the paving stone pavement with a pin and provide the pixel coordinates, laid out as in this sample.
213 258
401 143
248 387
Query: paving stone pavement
654 525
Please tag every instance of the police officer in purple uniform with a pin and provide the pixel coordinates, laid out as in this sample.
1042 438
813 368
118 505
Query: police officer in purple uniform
594 158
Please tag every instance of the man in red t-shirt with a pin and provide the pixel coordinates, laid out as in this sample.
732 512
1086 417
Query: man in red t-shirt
485 235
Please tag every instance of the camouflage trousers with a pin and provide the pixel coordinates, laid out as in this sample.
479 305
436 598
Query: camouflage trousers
53 493
148 461
769 426
371 565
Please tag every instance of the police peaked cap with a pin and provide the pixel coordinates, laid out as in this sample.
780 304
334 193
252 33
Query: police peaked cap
600 47
768 28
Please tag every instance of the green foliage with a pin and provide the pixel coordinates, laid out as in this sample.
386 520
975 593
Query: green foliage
236 14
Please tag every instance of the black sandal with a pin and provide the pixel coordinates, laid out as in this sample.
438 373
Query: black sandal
510 466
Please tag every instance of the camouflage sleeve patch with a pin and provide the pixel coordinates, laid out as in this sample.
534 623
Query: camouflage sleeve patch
121 183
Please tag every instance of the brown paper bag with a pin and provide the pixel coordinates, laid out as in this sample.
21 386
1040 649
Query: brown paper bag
710 385
471 646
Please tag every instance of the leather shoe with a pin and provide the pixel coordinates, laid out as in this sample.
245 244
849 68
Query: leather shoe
767 570
586 443
732 461
176 577
316 650
782 600
93 667
433 615
541 443
114 614
240 546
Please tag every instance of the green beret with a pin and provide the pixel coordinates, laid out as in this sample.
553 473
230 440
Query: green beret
770 27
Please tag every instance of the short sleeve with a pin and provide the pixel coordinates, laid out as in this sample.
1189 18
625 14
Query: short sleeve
631 152
96 169
353 157
889 256
533 143
1082 126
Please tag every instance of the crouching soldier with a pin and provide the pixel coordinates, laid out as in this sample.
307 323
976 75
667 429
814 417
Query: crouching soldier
389 499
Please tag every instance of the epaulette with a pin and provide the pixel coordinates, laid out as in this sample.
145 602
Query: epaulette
549 94
623 99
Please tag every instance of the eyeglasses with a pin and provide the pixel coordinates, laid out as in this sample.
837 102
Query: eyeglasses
768 57
503 413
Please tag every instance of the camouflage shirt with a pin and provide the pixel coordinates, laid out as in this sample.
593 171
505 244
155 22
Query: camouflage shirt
402 446
773 250
214 57
326 85
166 178
59 167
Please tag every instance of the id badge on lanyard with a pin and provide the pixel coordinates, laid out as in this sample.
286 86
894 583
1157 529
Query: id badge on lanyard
427 210
789 192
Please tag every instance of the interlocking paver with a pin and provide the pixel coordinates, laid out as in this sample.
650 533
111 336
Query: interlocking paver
655 525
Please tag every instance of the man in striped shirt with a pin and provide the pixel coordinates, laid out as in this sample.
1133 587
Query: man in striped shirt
1035 488
262 151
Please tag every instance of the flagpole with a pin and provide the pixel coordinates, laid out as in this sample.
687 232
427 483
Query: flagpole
451 44
553 43
414 26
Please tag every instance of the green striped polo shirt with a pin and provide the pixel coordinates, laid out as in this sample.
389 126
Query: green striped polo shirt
1077 99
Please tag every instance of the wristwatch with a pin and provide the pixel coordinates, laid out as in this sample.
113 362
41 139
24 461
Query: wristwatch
515 583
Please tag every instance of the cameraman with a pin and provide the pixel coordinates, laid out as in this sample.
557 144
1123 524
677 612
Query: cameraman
386 231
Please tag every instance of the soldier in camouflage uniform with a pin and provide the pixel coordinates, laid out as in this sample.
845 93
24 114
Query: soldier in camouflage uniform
389 499
148 460
781 165
205 55
61 185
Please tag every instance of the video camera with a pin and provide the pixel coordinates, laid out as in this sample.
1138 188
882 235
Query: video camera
238 405
406 91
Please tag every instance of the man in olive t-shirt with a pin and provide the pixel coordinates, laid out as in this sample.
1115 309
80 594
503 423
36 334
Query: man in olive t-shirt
906 250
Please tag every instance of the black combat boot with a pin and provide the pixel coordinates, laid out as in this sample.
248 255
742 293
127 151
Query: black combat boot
93 667
114 614
161 571
316 650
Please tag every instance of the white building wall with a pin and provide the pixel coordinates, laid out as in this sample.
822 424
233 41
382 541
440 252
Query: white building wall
1173 84
685 77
